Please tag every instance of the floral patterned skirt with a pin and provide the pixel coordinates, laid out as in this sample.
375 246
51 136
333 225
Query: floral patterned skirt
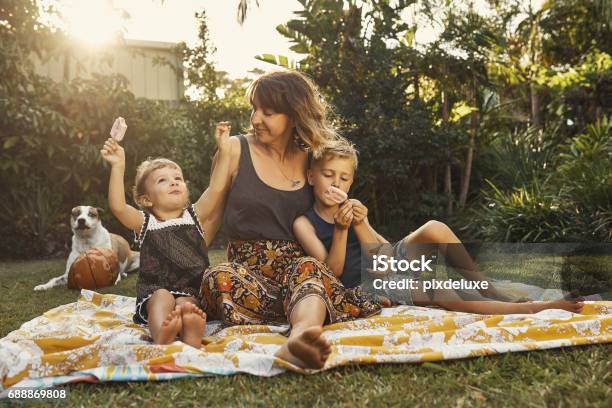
265 279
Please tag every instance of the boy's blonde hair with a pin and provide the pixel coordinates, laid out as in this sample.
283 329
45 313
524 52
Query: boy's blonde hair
294 94
340 147
144 170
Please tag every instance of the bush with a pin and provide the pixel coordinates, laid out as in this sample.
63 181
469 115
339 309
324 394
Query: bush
569 201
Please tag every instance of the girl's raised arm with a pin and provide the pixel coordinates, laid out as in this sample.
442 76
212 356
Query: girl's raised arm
129 216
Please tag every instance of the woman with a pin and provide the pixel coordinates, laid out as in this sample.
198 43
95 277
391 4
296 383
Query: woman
268 279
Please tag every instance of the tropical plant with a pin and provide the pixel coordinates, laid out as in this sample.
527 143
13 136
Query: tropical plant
551 192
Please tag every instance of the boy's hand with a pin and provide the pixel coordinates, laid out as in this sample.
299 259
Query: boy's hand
344 216
360 211
222 136
113 153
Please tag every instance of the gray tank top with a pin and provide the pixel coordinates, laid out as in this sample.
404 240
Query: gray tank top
254 210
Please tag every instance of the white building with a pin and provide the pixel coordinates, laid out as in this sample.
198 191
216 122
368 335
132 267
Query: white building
139 61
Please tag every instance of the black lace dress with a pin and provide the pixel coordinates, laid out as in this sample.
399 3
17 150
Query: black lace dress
173 256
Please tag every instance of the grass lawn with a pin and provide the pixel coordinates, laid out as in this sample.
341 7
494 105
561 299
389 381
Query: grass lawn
578 376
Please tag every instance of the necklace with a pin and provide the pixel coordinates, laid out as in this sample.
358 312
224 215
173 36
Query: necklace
294 182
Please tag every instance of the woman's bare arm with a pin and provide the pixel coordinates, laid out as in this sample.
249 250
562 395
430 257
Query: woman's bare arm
211 216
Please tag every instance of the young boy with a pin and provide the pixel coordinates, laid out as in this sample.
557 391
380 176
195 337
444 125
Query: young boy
335 233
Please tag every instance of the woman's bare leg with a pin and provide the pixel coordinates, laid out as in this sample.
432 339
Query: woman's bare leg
306 347
164 317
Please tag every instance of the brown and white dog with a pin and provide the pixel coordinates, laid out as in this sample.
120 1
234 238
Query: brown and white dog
88 233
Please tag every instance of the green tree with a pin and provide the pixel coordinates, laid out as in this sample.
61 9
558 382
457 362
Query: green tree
51 133
243 7
356 53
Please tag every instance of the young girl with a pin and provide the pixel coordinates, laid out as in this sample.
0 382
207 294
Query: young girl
335 233
173 244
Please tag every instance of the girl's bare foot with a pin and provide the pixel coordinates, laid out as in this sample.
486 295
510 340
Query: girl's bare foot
574 306
170 327
309 349
194 322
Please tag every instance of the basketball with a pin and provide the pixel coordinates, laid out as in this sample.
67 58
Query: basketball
95 268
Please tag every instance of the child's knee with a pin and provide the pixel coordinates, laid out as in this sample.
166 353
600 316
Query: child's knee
436 227
162 294
160 298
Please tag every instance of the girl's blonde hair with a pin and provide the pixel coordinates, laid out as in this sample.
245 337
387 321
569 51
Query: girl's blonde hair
294 94
144 170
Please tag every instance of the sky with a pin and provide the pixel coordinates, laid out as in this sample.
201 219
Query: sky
94 21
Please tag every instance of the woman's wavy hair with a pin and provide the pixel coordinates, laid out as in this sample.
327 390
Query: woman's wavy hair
294 94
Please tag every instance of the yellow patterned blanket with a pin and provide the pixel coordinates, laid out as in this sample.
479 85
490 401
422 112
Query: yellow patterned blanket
95 340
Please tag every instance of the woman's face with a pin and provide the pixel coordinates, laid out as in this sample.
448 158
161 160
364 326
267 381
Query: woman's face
270 126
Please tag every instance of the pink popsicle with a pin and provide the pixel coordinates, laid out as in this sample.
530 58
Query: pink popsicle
118 130
337 195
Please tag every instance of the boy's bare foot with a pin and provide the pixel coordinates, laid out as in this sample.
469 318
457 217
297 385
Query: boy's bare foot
170 327
384 301
574 306
309 349
194 322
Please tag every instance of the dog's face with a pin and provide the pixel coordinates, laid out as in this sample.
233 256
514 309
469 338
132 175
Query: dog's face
84 219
